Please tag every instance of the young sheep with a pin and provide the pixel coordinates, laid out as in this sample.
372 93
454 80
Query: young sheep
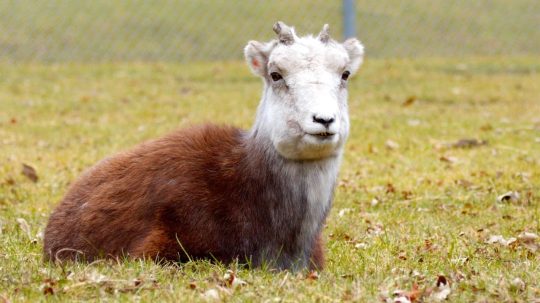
218 192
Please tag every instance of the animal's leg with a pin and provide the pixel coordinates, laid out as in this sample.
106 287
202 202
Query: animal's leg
317 261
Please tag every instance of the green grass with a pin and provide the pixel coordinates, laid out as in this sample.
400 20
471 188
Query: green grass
433 217
165 30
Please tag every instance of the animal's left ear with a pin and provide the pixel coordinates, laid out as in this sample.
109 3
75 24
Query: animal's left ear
355 49
257 54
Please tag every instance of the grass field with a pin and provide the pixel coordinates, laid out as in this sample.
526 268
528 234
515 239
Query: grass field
411 205
185 30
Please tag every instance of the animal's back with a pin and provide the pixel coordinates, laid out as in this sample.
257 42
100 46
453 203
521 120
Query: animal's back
127 204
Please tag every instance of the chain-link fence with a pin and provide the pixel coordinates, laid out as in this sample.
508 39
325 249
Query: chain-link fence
186 30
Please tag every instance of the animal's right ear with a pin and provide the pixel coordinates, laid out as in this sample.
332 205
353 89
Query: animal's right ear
355 49
257 54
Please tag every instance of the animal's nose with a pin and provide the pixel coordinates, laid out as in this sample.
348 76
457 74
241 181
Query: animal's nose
326 121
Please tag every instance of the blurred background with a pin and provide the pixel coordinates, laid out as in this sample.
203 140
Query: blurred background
208 30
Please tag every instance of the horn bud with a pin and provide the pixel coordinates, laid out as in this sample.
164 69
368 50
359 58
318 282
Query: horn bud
324 36
284 32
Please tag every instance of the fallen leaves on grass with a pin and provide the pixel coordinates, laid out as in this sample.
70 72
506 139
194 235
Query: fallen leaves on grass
409 101
498 239
9 181
211 295
360 245
468 143
95 279
401 296
375 230
25 227
217 293
511 196
29 172
47 288
413 122
342 212
449 159
518 284
438 293
312 275
441 291
232 281
529 240
464 183
391 145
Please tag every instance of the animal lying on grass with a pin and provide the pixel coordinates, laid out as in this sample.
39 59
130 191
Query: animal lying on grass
259 196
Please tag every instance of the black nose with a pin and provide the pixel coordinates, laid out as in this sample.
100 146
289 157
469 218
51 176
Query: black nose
324 121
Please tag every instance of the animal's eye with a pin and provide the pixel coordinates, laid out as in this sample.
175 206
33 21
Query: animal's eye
276 76
345 75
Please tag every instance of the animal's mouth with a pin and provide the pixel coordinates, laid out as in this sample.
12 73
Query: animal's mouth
323 135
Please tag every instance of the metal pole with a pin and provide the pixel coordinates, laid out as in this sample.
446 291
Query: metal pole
349 16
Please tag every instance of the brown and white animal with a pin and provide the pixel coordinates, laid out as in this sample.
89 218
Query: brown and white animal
218 192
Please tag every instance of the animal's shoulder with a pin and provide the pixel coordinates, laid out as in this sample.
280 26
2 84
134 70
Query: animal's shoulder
182 150
196 143
204 137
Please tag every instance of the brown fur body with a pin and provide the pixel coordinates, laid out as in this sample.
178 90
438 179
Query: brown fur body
208 191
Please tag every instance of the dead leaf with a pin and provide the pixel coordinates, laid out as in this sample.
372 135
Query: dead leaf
391 144
4 299
401 299
464 183
390 189
25 227
360 245
409 101
9 181
486 127
375 230
29 172
529 240
511 196
518 284
408 296
500 240
468 143
449 159
312 275
342 212
47 290
413 122
441 293
372 149
441 290
232 281
211 295
528 237
95 277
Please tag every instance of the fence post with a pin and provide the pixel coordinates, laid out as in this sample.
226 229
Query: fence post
349 15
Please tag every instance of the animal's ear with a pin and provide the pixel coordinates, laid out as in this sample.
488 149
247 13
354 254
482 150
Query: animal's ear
355 49
257 54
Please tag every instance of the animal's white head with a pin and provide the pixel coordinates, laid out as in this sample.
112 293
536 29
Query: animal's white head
303 110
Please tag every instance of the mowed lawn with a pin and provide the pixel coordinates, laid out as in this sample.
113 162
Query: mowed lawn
416 203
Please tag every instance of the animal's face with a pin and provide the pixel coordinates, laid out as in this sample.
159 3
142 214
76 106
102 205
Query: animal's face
304 107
